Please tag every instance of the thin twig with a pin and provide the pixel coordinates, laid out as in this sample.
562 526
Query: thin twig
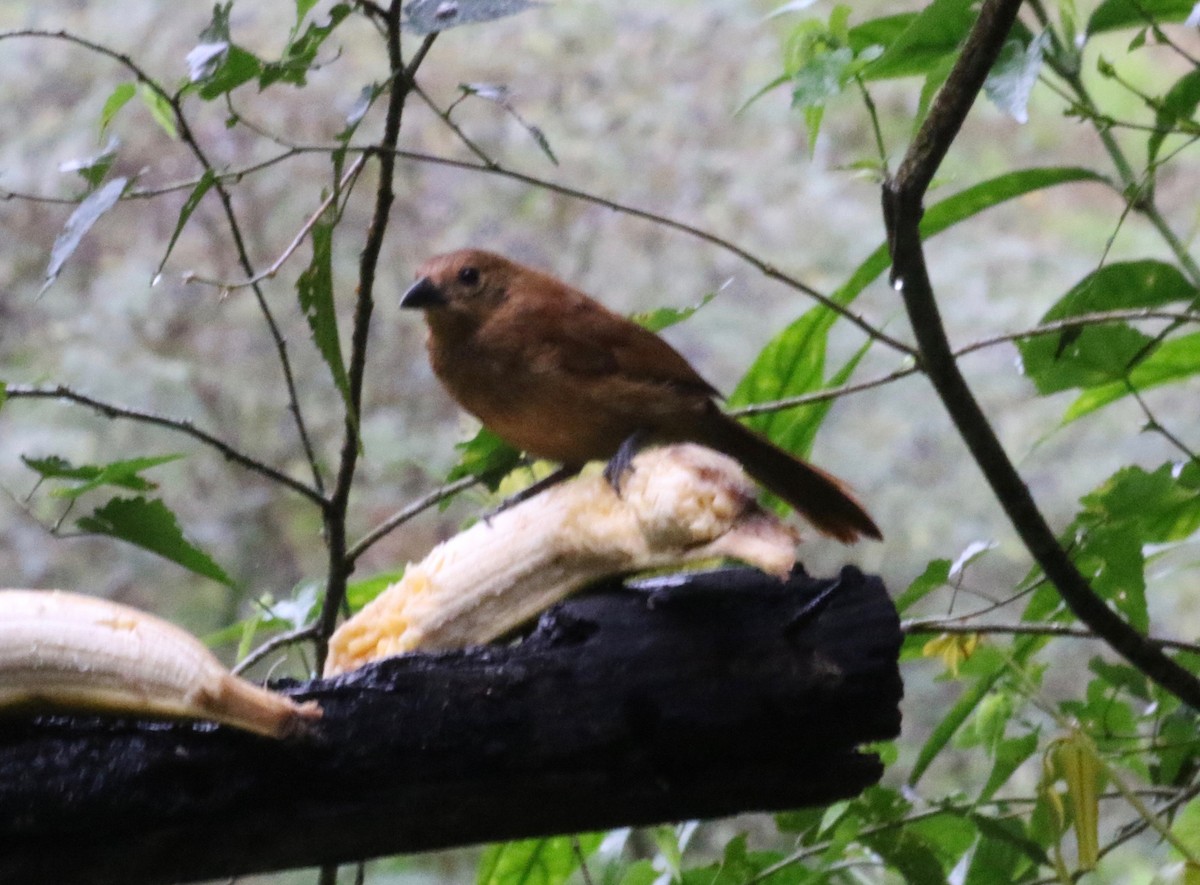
181 425
768 270
227 286
1074 631
359 547
300 634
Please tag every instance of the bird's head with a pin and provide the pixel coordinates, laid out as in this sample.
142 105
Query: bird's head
467 284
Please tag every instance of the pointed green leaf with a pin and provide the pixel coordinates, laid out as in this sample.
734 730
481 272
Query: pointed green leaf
85 215
1112 15
160 109
1008 756
549 861
150 525
3 393
936 574
963 205
234 67
207 180
662 317
1090 356
1004 852
1176 359
1179 104
487 457
933 35
909 853
116 100
122 474
315 291
792 363
301 52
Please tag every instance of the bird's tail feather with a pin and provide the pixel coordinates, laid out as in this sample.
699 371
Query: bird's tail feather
820 498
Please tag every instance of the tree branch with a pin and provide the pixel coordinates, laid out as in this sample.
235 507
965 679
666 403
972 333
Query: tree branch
180 425
1073 631
902 209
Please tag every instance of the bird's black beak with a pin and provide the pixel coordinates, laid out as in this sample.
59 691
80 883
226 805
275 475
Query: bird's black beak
423 293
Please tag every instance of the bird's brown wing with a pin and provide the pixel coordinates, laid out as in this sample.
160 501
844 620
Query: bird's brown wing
596 341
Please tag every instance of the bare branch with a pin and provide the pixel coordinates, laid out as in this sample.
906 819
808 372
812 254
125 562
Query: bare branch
347 182
359 547
924 626
181 425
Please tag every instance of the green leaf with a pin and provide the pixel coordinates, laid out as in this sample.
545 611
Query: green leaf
549 861
881 32
936 574
116 100
301 52
122 474
1130 510
1179 104
359 593
160 109
1003 852
1124 285
314 289
95 168
1014 74
3 393
150 525
930 38
961 206
1008 756
662 317
85 215
821 77
1159 506
738 865
792 363
207 180
1112 15
1091 356
235 67
1176 359
940 737
909 853
487 457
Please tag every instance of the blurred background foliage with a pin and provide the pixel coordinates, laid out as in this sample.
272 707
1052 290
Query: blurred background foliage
647 104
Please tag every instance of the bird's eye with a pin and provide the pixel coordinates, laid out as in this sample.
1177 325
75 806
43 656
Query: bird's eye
468 276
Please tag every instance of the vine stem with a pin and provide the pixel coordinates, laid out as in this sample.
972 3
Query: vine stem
903 197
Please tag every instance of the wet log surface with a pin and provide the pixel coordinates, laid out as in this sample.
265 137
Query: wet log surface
729 692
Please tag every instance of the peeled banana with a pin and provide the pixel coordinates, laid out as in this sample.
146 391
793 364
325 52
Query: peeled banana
678 504
67 651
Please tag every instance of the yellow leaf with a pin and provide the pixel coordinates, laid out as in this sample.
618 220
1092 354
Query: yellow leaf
953 649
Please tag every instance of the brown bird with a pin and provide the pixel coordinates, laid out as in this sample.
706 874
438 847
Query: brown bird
559 376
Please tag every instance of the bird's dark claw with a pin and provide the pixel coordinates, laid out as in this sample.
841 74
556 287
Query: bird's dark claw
621 462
